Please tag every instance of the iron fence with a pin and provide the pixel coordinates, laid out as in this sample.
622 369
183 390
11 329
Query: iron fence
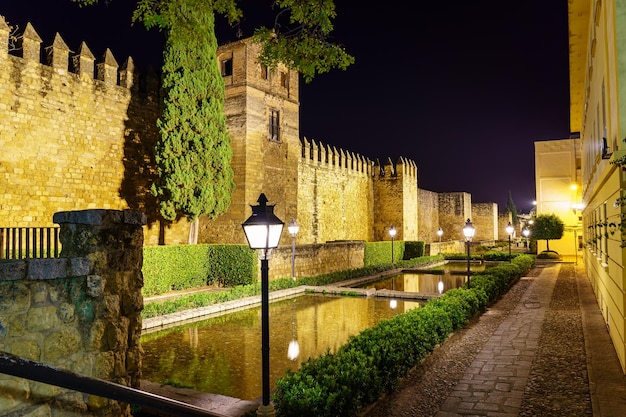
29 242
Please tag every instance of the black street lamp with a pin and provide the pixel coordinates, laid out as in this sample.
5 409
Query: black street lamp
468 232
392 233
526 233
440 233
293 231
509 230
263 231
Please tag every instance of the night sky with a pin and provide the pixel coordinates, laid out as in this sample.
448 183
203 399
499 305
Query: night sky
463 88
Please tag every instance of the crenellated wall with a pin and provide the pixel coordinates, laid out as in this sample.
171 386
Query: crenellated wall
335 194
78 132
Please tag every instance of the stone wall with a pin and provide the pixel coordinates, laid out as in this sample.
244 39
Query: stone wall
71 141
485 220
454 210
80 312
335 195
428 217
316 259
95 138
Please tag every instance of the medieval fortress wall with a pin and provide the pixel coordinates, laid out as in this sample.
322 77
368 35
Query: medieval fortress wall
78 132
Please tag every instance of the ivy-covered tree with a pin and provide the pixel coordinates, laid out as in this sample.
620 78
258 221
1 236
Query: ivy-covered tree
546 227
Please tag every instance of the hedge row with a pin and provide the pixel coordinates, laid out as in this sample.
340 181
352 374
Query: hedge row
180 267
373 362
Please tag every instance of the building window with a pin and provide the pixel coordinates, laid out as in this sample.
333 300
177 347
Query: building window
275 125
284 80
227 67
264 72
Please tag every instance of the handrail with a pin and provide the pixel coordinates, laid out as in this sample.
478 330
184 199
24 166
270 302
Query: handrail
36 371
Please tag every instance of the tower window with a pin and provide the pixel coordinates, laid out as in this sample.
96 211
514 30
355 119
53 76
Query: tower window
284 80
264 72
275 125
227 67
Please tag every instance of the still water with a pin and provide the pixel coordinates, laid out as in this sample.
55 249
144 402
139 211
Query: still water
451 275
222 355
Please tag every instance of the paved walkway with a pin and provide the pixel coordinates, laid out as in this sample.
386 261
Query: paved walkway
507 375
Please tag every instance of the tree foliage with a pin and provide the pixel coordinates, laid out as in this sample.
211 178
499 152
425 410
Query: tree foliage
298 38
547 227
193 152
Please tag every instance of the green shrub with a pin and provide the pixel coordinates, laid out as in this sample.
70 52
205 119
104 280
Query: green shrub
231 265
548 254
173 267
179 267
377 253
413 249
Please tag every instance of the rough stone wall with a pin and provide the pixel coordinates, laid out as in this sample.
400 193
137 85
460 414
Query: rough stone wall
395 200
71 141
485 220
334 195
428 220
316 259
454 210
80 312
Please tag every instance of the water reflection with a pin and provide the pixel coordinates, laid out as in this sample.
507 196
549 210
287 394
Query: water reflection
222 355
449 277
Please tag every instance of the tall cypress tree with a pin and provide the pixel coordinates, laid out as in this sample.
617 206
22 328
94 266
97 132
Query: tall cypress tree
193 153
511 208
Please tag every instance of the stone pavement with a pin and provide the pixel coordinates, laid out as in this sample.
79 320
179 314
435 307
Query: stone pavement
510 377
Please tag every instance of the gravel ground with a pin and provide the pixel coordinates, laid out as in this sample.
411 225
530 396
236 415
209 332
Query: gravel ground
558 384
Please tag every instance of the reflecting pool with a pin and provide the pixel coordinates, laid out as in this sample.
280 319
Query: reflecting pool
448 276
222 355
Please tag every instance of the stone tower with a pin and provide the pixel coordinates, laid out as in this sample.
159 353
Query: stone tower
262 110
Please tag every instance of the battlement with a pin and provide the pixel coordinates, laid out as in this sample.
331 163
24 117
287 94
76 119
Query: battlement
403 167
62 60
321 154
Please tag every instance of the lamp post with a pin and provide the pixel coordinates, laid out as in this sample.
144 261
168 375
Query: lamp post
263 231
293 231
440 233
468 232
392 233
526 233
509 230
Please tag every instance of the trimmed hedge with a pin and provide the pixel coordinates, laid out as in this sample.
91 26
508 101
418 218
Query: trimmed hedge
377 253
373 362
179 267
414 249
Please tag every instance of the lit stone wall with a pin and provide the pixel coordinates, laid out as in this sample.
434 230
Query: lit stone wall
335 197
316 259
428 220
485 220
454 210
81 313
95 139
71 141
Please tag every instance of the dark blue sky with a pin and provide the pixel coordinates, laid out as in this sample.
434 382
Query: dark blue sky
463 88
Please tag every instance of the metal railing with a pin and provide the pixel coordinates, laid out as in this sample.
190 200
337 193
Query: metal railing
35 371
29 242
